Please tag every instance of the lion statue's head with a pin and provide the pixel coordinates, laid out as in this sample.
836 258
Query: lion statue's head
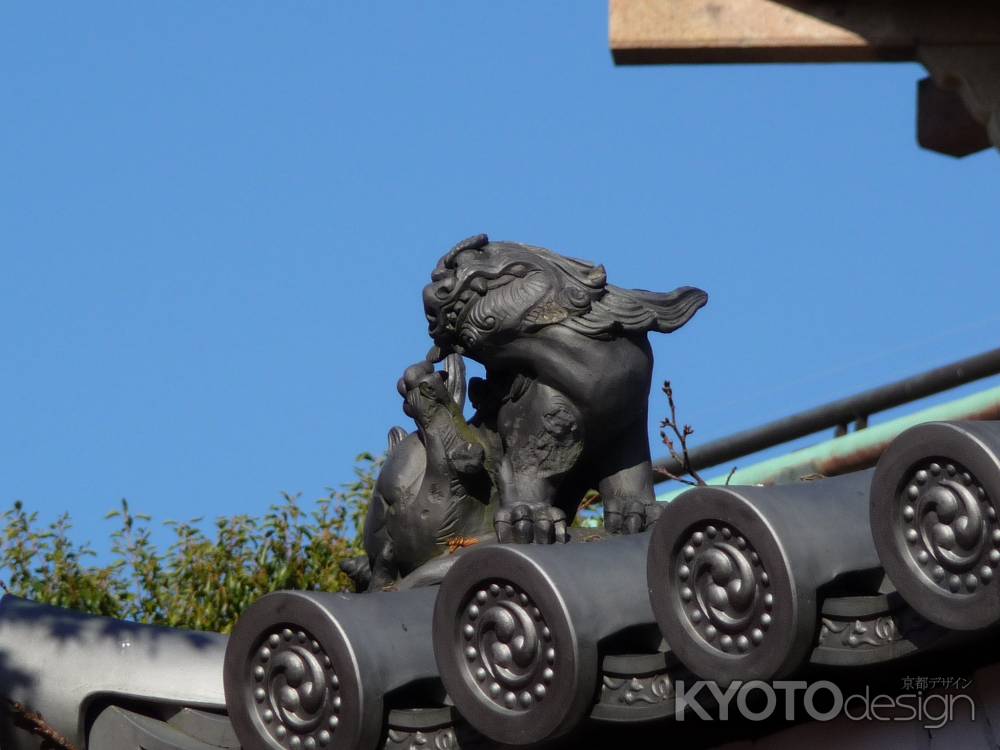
484 293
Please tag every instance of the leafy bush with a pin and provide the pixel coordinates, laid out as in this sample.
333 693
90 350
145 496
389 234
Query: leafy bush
198 582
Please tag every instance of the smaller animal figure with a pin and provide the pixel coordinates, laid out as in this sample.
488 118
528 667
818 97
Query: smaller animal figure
437 484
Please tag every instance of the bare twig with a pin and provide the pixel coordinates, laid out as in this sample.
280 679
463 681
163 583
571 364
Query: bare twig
669 475
34 723
681 434
592 498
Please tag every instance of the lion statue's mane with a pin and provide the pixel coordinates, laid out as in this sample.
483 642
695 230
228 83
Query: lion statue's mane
478 282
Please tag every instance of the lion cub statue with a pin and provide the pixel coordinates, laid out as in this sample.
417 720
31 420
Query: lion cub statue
562 410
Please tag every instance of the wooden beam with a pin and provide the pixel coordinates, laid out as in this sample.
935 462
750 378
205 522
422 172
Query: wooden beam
944 123
974 74
750 31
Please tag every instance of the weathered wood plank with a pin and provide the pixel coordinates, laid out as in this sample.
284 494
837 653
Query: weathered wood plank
709 31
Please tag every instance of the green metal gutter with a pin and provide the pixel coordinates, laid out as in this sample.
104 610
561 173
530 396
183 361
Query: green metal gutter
856 450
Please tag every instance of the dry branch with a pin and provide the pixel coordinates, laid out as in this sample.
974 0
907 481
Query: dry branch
34 723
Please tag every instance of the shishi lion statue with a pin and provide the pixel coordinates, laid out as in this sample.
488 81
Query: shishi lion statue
562 410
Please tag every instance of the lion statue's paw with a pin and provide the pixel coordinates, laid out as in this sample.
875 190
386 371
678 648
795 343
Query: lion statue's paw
629 516
530 524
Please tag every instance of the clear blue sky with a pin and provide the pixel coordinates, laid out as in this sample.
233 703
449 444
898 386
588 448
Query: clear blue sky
216 219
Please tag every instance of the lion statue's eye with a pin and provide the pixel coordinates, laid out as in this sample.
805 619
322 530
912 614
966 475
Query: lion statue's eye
517 269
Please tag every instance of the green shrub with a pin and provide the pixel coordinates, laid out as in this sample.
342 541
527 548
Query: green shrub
198 582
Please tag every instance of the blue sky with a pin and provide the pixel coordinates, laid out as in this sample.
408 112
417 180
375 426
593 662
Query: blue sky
216 219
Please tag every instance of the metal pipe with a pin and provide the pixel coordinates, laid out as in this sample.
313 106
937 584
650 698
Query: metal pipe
836 413
858 450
